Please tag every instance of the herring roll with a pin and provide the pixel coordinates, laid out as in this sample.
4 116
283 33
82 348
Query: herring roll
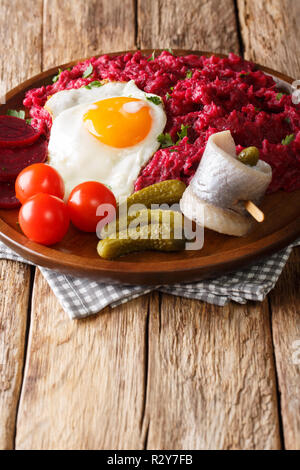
215 197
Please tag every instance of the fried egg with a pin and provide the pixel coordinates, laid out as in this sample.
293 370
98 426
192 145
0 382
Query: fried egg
106 134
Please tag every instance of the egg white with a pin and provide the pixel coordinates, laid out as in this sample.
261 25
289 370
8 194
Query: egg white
79 156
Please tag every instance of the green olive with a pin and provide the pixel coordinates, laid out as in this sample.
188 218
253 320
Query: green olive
249 156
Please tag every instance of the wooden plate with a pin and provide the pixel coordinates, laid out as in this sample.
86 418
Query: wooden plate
76 253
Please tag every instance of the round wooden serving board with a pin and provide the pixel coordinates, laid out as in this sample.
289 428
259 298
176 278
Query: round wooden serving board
76 254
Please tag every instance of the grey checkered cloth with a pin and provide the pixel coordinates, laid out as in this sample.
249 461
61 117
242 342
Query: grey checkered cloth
81 297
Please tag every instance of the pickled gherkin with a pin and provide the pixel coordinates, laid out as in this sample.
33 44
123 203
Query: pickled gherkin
165 192
147 237
143 217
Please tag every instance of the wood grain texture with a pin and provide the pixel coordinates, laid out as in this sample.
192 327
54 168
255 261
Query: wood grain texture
211 382
188 25
74 29
84 380
76 254
14 296
271 34
285 304
20 52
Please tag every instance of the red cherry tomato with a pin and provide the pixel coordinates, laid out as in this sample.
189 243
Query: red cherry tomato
39 178
44 219
84 201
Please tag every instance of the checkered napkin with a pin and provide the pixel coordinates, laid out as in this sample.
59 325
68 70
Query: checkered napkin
81 297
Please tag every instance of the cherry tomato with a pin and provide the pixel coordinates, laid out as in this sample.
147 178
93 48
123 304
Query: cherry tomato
44 219
84 201
39 178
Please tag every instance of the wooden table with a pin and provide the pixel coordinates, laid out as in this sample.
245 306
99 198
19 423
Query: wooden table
159 372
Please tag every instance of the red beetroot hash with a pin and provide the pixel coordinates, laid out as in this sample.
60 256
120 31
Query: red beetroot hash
207 95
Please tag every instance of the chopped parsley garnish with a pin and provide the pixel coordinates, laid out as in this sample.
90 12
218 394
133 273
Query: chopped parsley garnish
287 119
152 57
171 88
288 139
279 96
173 150
168 96
154 99
165 140
28 121
244 74
189 74
18 114
170 51
182 133
258 110
88 71
95 84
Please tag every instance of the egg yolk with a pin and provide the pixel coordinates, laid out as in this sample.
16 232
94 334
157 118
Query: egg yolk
119 122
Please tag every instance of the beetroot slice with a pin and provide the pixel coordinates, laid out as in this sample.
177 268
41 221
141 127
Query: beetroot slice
8 198
14 160
15 132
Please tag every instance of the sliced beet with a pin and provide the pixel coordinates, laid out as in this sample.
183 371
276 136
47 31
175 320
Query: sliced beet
8 198
15 132
14 160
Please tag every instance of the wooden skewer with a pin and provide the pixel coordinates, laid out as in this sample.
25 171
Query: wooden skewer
256 213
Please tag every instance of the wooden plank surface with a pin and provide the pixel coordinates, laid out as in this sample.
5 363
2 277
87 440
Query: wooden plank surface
16 45
20 41
44 430
14 296
211 381
271 35
75 29
90 394
285 304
